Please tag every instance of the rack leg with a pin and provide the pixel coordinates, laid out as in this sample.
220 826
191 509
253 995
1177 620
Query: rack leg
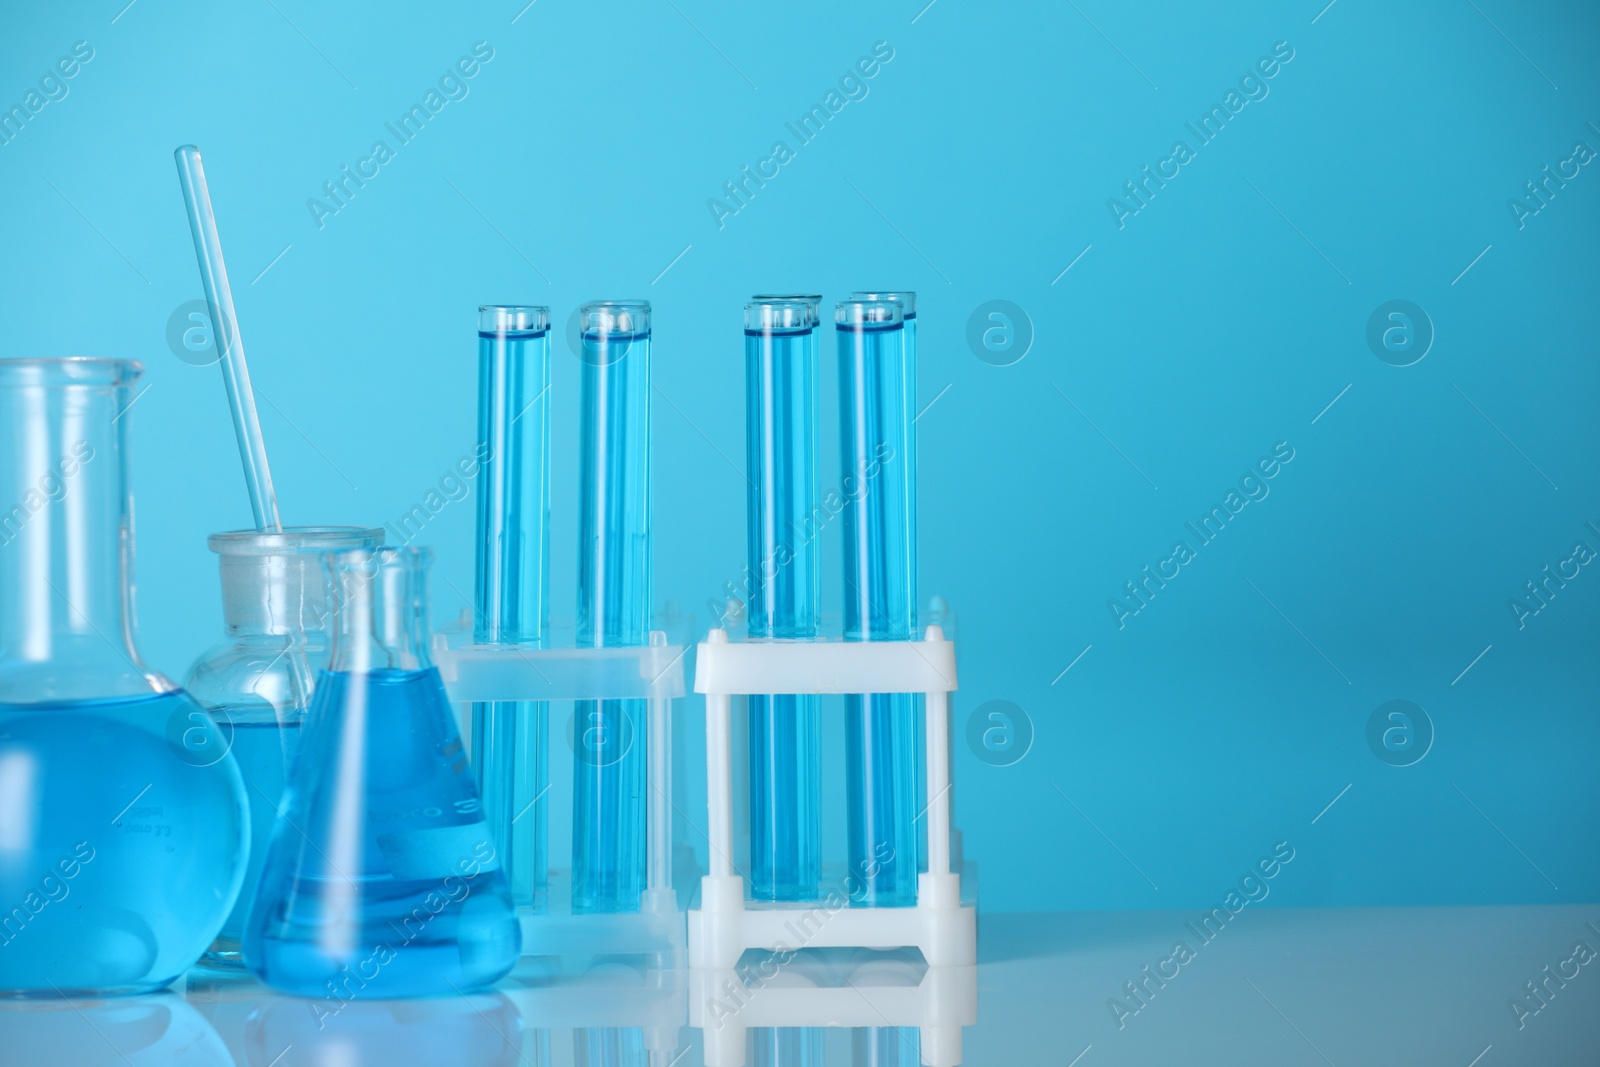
719 784
937 712
659 741
714 934
949 935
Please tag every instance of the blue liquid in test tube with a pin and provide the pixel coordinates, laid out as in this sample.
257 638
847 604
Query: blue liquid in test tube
919 727
786 1046
780 344
610 1047
609 842
884 768
886 1046
511 592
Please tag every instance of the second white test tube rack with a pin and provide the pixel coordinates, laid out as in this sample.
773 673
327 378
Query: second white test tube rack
720 930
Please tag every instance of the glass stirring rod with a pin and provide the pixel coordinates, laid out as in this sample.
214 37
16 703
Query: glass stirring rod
225 325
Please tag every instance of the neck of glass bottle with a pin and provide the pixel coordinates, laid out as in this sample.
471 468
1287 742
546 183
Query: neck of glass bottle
265 596
66 542
275 585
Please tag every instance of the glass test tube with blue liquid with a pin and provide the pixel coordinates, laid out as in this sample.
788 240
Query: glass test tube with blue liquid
787 1046
886 1046
785 739
907 302
884 761
511 581
609 840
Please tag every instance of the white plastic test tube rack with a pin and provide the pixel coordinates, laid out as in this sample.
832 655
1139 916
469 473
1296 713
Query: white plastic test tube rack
654 673
722 927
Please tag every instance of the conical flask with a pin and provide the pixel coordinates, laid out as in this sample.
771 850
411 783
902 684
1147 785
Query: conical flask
123 828
257 686
382 879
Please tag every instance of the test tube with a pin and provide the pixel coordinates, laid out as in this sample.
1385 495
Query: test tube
609 841
884 774
886 1046
908 317
907 301
510 587
785 737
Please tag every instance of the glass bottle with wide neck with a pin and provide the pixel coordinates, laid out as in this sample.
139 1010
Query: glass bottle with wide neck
277 607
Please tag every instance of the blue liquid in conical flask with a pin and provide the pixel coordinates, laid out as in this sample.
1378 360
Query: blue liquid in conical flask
382 879
122 843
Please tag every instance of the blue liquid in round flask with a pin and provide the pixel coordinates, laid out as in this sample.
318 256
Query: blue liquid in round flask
382 878
123 823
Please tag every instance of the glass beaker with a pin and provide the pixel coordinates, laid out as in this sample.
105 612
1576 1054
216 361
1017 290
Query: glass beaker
275 611
123 831
381 879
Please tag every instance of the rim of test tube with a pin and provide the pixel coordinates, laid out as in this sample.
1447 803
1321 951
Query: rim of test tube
773 298
615 316
872 314
497 319
906 299
792 314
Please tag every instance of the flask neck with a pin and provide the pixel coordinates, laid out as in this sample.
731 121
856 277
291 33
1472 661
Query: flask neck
381 610
66 533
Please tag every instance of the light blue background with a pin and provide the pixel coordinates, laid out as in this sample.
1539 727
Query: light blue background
1195 338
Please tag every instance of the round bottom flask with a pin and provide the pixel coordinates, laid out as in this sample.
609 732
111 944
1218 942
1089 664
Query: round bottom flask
123 830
